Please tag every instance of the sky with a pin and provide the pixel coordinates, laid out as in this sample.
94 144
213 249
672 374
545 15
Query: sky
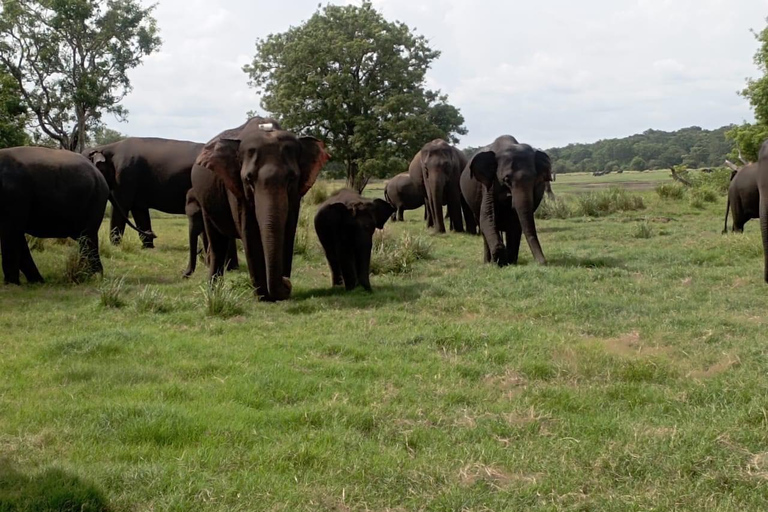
549 72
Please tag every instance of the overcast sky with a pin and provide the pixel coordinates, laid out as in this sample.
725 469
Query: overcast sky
549 72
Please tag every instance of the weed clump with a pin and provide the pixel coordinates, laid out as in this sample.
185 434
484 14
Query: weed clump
110 292
221 298
77 269
643 230
152 300
670 191
398 255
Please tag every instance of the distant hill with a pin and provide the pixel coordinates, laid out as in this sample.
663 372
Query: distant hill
652 149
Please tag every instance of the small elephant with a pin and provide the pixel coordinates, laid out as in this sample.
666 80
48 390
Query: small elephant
743 197
196 230
48 193
345 224
403 195
504 184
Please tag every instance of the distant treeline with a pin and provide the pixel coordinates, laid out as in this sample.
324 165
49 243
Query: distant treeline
652 149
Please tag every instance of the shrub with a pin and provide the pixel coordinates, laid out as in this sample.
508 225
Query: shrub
151 300
554 209
221 298
605 202
705 194
397 256
110 291
670 191
717 181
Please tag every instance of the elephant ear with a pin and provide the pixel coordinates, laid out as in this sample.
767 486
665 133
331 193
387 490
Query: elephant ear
97 157
483 168
313 158
382 211
223 158
543 166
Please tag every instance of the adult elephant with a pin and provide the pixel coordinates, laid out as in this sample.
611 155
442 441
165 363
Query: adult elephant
249 181
48 193
403 195
144 174
435 171
503 184
743 197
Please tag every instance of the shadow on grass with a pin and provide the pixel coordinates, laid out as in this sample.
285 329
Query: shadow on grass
51 490
338 298
569 261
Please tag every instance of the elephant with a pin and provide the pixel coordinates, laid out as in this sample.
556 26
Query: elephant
345 224
145 173
435 171
743 197
48 193
403 195
503 184
249 182
197 230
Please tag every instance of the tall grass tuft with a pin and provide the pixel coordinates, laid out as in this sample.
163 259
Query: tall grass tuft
110 291
304 242
642 230
606 202
398 255
554 209
319 193
674 191
77 270
152 300
221 298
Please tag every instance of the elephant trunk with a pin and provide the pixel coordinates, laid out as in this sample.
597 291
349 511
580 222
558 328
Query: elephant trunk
272 215
523 200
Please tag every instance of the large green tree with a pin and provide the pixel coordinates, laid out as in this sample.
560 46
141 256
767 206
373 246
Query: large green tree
13 119
750 136
357 81
70 59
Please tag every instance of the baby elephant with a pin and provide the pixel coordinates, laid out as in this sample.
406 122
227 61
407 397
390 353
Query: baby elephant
345 224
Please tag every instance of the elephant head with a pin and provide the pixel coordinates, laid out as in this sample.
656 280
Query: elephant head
441 165
267 170
515 171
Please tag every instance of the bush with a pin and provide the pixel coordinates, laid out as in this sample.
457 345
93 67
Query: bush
554 209
221 298
605 202
716 181
670 191
151 300
397 256
705 194
110 291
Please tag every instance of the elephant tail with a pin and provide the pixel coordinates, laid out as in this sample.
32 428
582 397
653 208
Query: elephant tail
727 209
386 195
148 234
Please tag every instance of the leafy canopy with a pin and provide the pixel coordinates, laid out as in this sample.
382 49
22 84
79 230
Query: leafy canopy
13 117
357 81
70 59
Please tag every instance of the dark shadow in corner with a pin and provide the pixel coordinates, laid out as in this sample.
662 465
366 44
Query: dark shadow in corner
51 490
338 298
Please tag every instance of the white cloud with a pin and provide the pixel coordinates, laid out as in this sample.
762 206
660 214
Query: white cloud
549 72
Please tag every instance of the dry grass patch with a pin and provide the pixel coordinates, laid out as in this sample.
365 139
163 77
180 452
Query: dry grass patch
718 368
494 476
630 345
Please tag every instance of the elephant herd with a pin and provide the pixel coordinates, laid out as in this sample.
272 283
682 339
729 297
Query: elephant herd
247 183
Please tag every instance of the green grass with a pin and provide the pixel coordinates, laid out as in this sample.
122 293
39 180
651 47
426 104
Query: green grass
627 375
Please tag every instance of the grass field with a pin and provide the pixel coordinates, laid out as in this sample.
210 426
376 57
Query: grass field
628 375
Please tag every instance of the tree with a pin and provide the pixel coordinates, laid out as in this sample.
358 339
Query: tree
638 164
13 118
357 81
70 59
103 135
750 136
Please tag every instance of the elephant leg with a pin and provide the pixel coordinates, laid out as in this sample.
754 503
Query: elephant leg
348 267
393 217
116 226
330 247
453 198
469 217
486 251
194 233
26 263
144 223
89 249
363 264
514 235
400 214
232 261
217 251
9 243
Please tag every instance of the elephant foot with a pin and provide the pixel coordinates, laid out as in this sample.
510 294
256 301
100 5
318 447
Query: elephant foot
234 266
148 246
187 274
13 282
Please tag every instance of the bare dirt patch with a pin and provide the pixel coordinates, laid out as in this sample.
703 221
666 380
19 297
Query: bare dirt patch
630 345
729 361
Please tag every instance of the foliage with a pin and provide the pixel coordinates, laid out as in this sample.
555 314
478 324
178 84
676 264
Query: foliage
110 292
653 149
357 81
70 59
606 202
103 135
13 114
393 255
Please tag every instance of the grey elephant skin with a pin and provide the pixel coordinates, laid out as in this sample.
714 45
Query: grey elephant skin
144 174
435 171
196 231
403 195
345 224
743 198
48 193
503 184
249 182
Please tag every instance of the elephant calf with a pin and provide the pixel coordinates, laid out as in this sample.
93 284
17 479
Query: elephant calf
403 194
196 230
743 198
345 224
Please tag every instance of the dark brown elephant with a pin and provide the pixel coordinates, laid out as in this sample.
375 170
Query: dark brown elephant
196 231
249 182
762 187
436 171
345 224
743 197
503 184
403 195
